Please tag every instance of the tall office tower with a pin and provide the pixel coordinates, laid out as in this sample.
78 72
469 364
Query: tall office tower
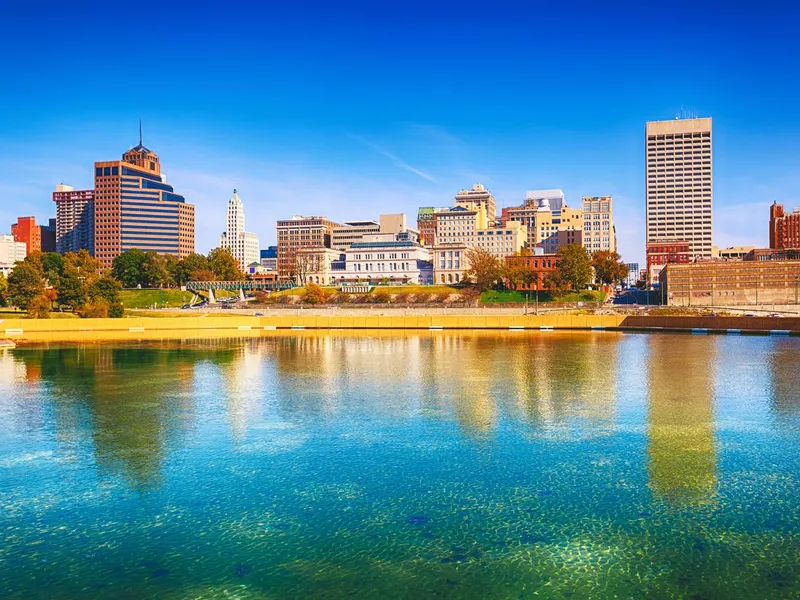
599 232
74 219
135 208
26 230
679 186
478 195
300 232
784 228
242 244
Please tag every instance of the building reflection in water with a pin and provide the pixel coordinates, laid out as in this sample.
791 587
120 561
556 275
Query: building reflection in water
784 363
133 403
680 416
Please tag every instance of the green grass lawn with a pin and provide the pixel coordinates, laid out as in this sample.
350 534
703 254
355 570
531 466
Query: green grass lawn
146 298
7 313
494 296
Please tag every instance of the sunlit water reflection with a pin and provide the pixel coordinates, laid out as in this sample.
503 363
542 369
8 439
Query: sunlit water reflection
461 465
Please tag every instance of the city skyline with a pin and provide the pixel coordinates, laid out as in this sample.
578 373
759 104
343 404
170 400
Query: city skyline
351 126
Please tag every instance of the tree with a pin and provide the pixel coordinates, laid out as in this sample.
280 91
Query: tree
314 294
24 284
224 266
72 288
107 288
187 266
94 309
608 266
574 266
155 271
3 290
302 267
202 275
116 311
519 271
484 268
128 268
39 307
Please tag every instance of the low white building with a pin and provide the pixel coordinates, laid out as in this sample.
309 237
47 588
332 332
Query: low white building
11 253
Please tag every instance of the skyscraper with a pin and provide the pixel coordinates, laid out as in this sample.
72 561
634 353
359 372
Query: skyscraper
242 244
136 208
679 190
74 219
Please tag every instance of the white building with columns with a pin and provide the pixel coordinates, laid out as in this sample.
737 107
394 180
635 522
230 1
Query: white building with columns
242 244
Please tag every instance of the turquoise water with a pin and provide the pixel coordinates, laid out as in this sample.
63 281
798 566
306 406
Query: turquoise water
517 465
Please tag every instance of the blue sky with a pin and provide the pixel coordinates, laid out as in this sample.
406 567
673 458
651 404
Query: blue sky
353 109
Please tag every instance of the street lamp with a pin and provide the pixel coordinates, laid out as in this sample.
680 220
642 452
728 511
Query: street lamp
796 282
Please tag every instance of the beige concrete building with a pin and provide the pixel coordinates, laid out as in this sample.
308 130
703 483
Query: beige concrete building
502 241
351 232
679 183
546 228
599 232
450 262
478 195
315 265
732 253
460 224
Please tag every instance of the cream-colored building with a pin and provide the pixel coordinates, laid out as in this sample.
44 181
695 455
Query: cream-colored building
546 228
315 265
450 262
350 232
502 241
679 183
11 253
460 224
599 232
732 253
478 195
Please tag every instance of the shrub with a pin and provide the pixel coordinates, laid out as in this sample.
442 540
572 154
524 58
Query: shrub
39 307
94 309
116 311
422 298
314 294
261 297
382 297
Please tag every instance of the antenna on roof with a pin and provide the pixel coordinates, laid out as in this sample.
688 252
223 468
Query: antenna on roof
140 132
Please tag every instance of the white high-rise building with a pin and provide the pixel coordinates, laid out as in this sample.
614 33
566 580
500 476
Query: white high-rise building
11 253
242 244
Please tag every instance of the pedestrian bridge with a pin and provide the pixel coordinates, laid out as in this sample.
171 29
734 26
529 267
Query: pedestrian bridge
207 288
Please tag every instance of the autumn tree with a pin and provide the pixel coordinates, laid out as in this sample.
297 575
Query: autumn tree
485 270
3 290
519 271
224 265
573 267
156 270
39 307
24 284
188 266
608 267
314 294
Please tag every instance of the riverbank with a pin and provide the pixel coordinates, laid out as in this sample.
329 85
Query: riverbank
32 330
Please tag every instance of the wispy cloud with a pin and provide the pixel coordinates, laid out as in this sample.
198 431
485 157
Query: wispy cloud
398 162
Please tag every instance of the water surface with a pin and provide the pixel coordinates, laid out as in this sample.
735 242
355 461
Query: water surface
475 465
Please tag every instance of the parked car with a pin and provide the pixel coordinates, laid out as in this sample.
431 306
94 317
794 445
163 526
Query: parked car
258 315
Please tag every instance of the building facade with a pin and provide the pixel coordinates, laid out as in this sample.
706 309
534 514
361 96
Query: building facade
301 232
26 231
784 228
11 252
502 241
541 264
546 228
450 262
74 219
269 258
345 235
48 236
315 265
661 253
478 195
731 283
732 253
679 183
242 244
599 233
134 207
426 224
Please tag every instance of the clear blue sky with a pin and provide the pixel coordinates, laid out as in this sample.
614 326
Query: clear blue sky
352 109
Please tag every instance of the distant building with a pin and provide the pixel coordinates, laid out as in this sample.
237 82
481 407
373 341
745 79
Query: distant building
502 241
301 232
732 253
48 236
481 196
547 228
679 185
74 219
599 233
426 224
136 208
315 265
762 254
784 228
269 258
242 244
11 252
26 231
730 283
634 274
552 198
350 232
664 252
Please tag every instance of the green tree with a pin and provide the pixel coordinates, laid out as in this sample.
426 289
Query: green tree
107 288
608 266
52 267
223 264
485 270
24 284
3 290
39 307
155 270
116 311
188 266
72 287
128 268
94 309
172 264
574 266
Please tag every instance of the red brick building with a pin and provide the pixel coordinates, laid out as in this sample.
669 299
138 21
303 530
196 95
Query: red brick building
26 230
784 229
541 264
666 252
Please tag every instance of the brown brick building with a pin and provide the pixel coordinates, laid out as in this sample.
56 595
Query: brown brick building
541 264
301 232
784 228
665 252
26 230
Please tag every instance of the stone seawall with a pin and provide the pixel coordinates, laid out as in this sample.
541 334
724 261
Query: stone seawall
72 330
